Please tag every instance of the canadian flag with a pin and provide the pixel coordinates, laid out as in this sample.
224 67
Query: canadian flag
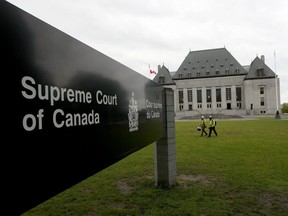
151 71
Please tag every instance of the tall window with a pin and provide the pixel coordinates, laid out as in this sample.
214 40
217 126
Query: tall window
208 95
262 101
180 94
199 96
189 93
228 93
218 95
238 94
161 80
261 90
260 72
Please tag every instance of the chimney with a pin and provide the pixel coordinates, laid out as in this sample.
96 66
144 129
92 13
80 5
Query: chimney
263 58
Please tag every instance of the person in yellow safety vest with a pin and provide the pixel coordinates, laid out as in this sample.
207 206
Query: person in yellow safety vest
203 126
212 126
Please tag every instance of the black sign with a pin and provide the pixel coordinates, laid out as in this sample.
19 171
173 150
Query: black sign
69 111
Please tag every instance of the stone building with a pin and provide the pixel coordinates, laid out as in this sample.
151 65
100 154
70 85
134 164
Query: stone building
214 82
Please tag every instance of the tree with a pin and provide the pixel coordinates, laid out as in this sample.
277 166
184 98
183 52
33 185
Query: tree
284 108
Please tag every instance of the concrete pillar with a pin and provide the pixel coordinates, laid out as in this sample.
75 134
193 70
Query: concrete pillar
185 99
194 97
214 104
165 148
223 98
204 100
233 97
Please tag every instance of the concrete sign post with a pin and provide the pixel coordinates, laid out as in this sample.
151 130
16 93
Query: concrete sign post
68 111
165 149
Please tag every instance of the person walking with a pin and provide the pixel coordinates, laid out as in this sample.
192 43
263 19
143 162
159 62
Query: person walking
212 126
203 126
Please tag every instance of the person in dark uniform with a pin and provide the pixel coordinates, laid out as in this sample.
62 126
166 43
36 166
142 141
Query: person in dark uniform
212 126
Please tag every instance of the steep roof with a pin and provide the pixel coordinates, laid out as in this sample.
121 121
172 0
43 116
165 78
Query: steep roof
163 76
209 63
259 70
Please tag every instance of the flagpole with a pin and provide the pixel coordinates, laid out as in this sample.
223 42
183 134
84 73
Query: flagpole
276 81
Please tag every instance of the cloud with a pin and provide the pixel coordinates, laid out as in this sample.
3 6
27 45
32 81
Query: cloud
139 33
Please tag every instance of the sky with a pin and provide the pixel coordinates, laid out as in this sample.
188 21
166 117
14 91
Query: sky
143 34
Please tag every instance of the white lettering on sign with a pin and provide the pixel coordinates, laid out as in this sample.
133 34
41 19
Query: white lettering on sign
53 93
153 109
106 99
61 119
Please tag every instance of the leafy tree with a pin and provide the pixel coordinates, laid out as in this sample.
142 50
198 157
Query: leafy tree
284 108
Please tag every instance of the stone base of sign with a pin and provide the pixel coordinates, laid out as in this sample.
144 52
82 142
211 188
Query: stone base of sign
165 148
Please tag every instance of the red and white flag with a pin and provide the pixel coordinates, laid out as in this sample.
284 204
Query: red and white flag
152 71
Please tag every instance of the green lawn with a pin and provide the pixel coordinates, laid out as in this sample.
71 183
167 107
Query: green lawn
243 171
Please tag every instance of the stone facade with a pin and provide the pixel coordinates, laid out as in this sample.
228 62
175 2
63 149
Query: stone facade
213 82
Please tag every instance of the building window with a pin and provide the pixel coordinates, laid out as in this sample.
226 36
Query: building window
237 71
199 96
190 107
239 105
217 72
199 106
161 80
208 95
229 106
180 95
207 73
218 95
180 98
260 72
261 90
179 75
238 94
227 71
198 74
228 93
262 101
209 105
189 93
218 105
189 74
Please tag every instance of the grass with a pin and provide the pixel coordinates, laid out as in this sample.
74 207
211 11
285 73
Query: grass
243 171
